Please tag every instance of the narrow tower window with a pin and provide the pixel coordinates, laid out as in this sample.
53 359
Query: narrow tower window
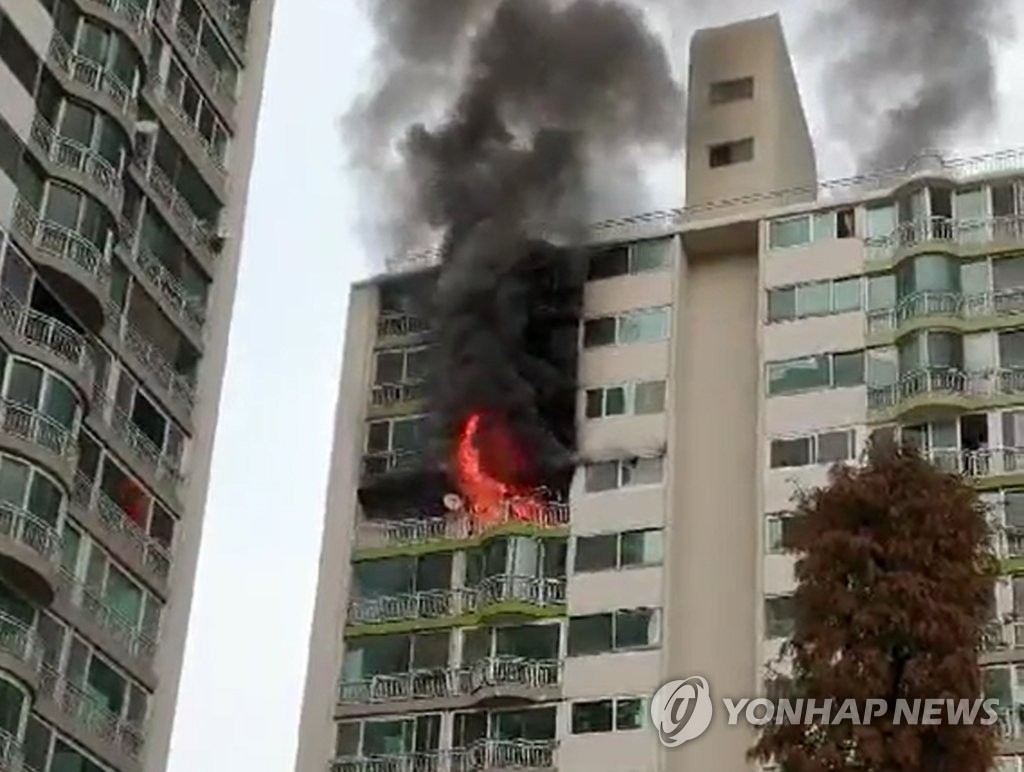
729 153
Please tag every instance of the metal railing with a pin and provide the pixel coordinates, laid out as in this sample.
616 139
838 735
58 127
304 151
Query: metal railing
198 230
399 325
12 754
956 305
59 241
74 701
32 425
485 754
124 631
382 462
948 381
92 74
37 329
216 156
28 529
72 154
147 550
907 235
387 533
134 14
20 641
233 19
450 602
435 683
387 394
210 74
823 194
986 462
190 309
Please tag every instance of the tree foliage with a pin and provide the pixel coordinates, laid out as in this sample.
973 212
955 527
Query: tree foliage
895 583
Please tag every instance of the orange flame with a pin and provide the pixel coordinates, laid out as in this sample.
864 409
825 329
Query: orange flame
489 500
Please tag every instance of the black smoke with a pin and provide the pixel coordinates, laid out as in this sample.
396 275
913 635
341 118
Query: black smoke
937 56
548 89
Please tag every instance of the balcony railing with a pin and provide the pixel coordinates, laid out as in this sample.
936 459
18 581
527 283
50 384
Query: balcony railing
948 381
134 14
12 754
28 529
20 641
60 241
1004 302
1010 725
436 683
233 19
386 394
72 154
210 75
191 310
434 604
147 550
91 74
986 462
198 230
1000 635
391 325
214 155
480 756
29 424
122 630
389 533
88 713
384 462
37 329
1007 228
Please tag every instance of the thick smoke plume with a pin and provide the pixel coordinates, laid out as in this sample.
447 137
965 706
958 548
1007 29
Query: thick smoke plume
548 87
940 53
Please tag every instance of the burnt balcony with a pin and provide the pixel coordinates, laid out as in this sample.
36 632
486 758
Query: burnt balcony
384 395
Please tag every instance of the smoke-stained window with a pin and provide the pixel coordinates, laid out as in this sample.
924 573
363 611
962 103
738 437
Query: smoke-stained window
642 257
734 90
623 473
729 153
642 398
647 325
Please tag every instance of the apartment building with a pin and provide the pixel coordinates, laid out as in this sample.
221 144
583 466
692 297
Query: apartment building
729 352
126 141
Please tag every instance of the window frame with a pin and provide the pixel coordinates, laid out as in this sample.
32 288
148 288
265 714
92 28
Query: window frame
830 358
617 564
797 289
630 389
812 441
623 318
622 482
654 622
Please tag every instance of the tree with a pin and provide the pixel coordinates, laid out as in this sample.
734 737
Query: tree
894 589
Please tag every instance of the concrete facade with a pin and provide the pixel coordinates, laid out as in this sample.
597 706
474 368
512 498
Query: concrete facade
128 132
774 318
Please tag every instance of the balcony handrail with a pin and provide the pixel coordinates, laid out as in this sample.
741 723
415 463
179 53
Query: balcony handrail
384 394
232 19
986 383
92 74
72 154
75 701
59 240
922 230
199 231
32 425
819 193
149 551
483 754
173 103
553 514
20 640
390 324
12 753
38 329
122 629
132 13
191 309
209 73
30 530
959 305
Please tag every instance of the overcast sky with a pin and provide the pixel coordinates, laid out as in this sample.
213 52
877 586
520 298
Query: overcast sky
245 662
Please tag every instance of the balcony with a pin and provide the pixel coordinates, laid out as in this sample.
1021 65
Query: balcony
501 593
206 70
945 233
494 676
93 80
482 756
916 309
12 754
87 720
233 21
29 549
1003 635
946 387
386 462
31 433
83 165
391 325
130 17
383 534
196 232
75 268
205 154
123 535
391 394
21 650
48 340
980 465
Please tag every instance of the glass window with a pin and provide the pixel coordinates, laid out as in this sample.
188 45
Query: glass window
824 226
881 221
846 295
599 332
387 737
24 382
13 481
123 596
407 434
641 548
615 400
936 273
789 453
650 398
971 204
378 436
635 627
590 634
59 402
596 553
848 369
346 739
789 233
778 616
77 123
603 476
44 499
945 349
642 471
594 403
779 532
629 714
588 717
798 375
1011 349
1007 273
813 299
389 367
881 292
644 326
650 255
781 304
609 263
835 446
974 276
62 206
